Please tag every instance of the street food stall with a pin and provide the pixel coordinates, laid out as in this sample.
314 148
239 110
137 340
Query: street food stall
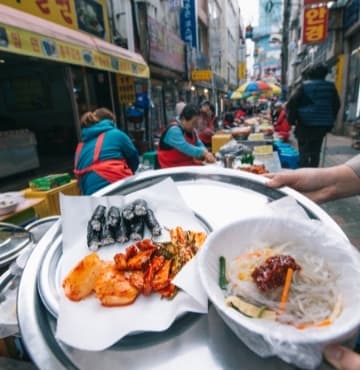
216 196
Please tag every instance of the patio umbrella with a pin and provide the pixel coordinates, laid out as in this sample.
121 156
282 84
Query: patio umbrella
238 95
275 89
253 86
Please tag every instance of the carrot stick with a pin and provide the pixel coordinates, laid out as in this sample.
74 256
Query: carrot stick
285 292
319 324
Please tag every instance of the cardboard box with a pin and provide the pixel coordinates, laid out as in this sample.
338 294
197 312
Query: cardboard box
218 140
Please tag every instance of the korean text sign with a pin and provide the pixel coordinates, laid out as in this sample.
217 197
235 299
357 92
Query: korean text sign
315 24
188 26
86 15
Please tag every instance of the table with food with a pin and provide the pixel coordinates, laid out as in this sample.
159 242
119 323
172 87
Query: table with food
248 147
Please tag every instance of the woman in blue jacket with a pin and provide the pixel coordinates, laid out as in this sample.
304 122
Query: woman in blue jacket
105 154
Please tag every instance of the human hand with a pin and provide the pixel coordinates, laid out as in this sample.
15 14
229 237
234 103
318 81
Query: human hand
319 184
315 183
342 358
209 157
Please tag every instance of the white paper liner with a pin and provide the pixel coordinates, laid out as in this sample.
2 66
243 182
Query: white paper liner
86 324
267 338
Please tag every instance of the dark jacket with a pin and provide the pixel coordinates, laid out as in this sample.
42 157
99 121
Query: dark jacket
314 103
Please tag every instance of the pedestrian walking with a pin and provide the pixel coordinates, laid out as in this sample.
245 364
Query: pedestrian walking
105 154
313 108
180 144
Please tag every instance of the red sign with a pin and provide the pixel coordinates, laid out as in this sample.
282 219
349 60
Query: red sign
311 2
315 24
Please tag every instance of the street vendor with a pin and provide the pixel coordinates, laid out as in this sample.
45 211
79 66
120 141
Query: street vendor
105 154
206 126
180 144
282 126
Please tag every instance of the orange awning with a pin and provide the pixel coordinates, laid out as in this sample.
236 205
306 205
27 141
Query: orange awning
25 34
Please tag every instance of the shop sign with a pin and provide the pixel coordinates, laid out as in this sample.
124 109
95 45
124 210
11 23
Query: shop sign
315 24
188 26
166 48
86 15
241 70
126 89
339 73
15 40
201 75
312 2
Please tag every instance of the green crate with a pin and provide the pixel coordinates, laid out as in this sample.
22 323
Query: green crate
49 182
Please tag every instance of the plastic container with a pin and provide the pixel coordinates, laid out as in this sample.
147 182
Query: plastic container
49 182
289 159
51 206
150 157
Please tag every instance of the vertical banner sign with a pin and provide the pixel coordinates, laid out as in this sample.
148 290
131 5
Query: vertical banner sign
126 89
188 23
339 73
315 24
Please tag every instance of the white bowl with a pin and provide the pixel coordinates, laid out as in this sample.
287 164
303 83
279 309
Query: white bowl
266 337
7 206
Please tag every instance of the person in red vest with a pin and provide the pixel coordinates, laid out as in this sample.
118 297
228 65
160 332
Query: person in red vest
180 144
105 154
282 126
206 123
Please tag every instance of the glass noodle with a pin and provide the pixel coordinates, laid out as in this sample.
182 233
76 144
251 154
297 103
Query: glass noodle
313 298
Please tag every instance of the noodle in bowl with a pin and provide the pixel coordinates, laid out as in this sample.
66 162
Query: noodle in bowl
323 290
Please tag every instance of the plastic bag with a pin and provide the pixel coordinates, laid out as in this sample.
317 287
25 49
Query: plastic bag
235 148
276 224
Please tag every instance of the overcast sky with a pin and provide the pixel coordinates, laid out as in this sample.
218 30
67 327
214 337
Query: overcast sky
249 10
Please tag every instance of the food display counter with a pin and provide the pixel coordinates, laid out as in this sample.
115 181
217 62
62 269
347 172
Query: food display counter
217 196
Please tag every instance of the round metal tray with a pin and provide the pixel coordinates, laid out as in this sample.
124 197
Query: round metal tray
218 196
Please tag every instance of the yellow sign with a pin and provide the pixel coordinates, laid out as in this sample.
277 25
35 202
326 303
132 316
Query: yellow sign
242 70
88 16
126 89
201 75
339 73
18 41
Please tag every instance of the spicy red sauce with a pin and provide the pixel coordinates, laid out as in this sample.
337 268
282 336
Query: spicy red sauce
272 273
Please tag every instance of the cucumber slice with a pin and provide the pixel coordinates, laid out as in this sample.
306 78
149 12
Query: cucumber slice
249 309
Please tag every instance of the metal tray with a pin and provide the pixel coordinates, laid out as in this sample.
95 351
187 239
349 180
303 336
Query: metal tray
12 247
215 194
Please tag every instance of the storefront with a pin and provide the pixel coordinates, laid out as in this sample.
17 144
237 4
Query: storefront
167 68
50 75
